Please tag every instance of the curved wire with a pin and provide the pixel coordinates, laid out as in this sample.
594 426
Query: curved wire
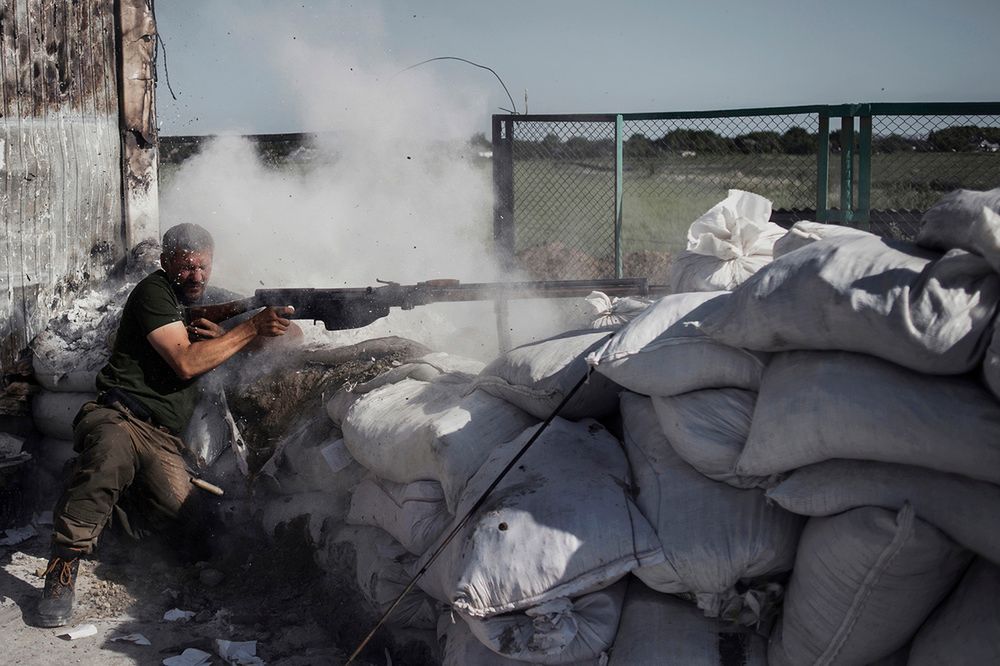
468 62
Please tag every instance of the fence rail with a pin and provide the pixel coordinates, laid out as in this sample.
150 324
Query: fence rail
600 195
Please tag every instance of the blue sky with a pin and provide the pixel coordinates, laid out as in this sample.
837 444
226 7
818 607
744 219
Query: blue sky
576 57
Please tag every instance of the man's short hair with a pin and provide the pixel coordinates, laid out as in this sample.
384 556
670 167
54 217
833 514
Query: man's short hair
187 237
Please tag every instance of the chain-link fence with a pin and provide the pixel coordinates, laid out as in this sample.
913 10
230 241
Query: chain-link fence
590 196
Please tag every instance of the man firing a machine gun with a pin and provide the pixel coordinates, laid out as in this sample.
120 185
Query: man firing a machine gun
130 454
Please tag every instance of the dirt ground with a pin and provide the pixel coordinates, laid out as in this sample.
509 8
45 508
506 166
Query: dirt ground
271 592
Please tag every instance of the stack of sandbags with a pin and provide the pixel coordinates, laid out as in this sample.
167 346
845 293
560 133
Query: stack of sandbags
726 245
532 573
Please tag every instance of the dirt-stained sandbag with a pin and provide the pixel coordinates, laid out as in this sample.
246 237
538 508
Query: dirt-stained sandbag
537 376
863 583
561 631
965 629
462 648
663 352
816 406
713 535
968 511
663 630
561 524
53 412
929 312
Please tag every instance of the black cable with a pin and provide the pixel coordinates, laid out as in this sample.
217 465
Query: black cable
468 515
161 46
469 62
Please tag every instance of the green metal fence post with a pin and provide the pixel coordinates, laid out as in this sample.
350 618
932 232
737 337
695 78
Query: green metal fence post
823 169
862 214
846 169
619 125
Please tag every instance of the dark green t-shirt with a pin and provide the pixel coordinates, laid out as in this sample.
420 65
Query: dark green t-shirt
135 366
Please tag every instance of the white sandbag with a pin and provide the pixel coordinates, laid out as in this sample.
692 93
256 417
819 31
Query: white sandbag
862 293
53 412
415 514
663 352
614 312
804 232
708 429
560 524
661 630
965 629
561 631
966 219
726 245
52 377
537 376
383 573
426 368
967 511
991 364
713 535
302 462
462 648
415 431
815 406
863 582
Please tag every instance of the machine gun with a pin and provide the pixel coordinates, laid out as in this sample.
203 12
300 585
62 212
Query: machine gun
355 307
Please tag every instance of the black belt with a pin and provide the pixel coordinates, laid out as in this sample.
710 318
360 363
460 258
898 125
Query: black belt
117 398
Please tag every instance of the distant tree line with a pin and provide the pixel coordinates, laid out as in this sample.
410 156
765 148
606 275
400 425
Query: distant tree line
794 141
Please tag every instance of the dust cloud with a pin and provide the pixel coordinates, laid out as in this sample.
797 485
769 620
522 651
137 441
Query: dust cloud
391 190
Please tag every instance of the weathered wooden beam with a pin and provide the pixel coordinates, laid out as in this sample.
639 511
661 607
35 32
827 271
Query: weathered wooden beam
137 104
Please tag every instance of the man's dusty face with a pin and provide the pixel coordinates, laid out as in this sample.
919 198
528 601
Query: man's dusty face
188 272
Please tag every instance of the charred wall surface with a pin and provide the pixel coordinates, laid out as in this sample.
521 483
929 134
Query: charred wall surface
60 158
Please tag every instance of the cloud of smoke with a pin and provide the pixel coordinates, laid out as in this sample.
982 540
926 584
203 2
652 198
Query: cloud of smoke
393 190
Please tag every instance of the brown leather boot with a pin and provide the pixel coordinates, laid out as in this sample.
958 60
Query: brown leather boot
56 605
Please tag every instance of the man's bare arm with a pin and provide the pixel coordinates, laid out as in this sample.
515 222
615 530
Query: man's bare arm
190 359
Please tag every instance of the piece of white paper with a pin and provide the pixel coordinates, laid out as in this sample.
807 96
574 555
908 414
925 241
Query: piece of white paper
336 455
80 631
175 614
242 653
190 657
138 639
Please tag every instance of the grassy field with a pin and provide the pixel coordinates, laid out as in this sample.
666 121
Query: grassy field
567 207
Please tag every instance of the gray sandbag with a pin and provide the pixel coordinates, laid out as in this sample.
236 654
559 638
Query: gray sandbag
708 429
537 376
713 535
816 406
965 629
966 219
863 583
661 630
561 631
462 648
929 312
663 352
968 511
560 524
